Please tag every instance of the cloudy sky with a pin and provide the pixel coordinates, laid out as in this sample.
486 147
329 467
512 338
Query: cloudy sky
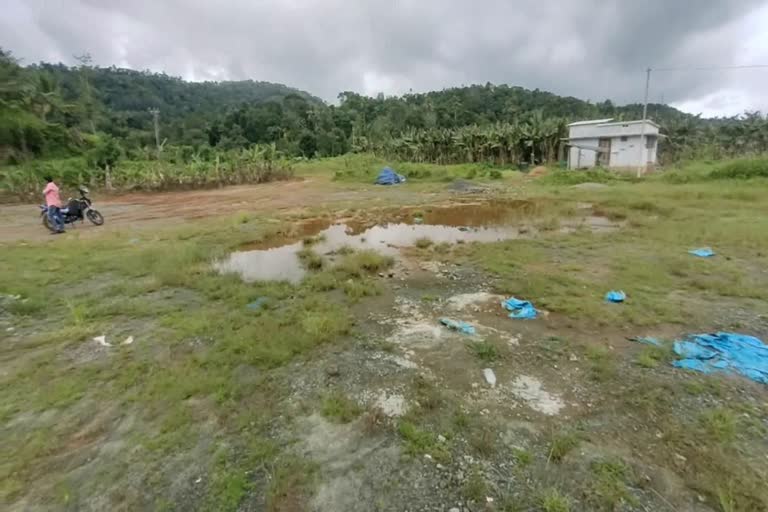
591 49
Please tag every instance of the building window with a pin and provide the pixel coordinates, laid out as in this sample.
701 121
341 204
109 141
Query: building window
624 138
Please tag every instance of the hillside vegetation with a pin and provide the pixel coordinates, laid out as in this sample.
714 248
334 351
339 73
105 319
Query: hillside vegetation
96 124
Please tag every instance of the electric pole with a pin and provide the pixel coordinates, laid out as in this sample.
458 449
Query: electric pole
156 118
643 152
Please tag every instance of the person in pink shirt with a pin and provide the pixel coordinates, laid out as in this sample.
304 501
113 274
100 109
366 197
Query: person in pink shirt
53 202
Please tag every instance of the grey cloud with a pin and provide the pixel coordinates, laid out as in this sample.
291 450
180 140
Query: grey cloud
591 49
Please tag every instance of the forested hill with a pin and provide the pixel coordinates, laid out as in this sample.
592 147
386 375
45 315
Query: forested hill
122 98
55 110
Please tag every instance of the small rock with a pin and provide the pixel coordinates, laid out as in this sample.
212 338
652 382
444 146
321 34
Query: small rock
441 438
573 357
199 479
454 509
460 475
488 499
427 456
440 467
680 458
332 371
381 274
9 329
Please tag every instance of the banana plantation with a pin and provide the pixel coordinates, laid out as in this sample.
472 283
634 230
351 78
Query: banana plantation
535 140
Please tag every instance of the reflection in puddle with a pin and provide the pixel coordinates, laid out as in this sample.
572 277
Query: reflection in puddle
277 258
282 263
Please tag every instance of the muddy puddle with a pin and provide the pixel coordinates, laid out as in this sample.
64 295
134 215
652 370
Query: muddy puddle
277 259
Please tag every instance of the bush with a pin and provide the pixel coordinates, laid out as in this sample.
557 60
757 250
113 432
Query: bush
742 169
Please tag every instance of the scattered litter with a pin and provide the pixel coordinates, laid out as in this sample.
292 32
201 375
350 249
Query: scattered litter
128 340
520 308
441 438
704 252
514 340
389 177
199 479
427 456
724 351
490 377
10 329
418 220
489 499
102 340
463 228
258 304
458 325
615 296
647 340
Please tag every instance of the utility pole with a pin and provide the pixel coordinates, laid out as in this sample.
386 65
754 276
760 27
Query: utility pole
156 117
643 151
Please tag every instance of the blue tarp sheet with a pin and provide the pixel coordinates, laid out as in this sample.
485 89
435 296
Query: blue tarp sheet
458 325
615 296
724 351
389 177
519 308
704 252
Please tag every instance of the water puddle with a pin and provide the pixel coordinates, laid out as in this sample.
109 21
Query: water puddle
277 258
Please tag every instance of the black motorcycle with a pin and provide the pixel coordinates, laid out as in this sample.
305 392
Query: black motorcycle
76 210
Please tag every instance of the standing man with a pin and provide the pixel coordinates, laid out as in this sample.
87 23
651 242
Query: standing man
53 202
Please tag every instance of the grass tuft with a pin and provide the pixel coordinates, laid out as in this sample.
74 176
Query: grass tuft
337 408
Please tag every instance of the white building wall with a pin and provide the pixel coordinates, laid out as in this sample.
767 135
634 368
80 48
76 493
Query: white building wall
588 157
627 153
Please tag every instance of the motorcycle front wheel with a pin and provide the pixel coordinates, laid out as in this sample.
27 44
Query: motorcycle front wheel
95 217
47 223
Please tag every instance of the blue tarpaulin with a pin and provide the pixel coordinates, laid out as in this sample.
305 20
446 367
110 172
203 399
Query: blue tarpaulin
704 252
458 325
519 308
615 296
724 351
389 177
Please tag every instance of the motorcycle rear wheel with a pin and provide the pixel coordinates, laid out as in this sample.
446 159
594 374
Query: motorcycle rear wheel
95 217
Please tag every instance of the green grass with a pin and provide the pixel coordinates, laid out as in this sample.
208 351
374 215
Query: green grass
338 408
423 243
561 445
650 357
484 351
602 363
552 500
310 259
719 424
609 486
358 289
476 487
360 263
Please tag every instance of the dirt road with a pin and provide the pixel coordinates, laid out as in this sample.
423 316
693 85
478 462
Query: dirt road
148 210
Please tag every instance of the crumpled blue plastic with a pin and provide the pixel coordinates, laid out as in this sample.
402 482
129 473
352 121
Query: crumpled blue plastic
458 325
724 351
615 296
520 309
704 252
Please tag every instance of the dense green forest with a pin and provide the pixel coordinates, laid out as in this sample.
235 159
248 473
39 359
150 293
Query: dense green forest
104 115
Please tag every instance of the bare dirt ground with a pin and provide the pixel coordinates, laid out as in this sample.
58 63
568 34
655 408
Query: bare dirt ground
344 391
147 210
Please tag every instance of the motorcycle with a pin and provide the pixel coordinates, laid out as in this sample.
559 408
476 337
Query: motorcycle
76 209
